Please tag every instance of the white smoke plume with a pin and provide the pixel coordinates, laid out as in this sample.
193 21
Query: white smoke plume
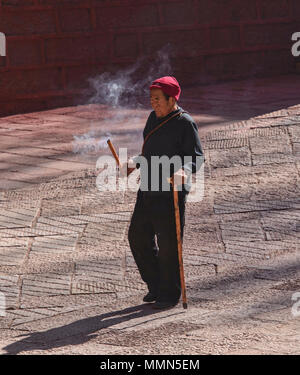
126 87
88 142
126 94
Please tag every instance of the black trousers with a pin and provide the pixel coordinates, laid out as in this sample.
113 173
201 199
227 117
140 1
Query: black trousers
153 242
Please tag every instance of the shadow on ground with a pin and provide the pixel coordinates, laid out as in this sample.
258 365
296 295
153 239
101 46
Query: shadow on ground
78 332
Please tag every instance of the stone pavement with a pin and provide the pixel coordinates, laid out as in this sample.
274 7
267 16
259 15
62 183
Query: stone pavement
66 273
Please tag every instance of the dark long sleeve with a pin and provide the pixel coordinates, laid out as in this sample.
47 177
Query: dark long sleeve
191 147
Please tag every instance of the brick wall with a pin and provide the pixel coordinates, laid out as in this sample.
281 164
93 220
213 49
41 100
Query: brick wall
54 46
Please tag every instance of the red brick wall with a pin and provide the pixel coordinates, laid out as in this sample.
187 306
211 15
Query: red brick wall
54 46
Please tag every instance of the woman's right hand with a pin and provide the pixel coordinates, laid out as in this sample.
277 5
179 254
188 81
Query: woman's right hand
126 168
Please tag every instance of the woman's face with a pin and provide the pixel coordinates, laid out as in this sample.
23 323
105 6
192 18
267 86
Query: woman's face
160 104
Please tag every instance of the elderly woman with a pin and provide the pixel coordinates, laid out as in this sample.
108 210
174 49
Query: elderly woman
169 132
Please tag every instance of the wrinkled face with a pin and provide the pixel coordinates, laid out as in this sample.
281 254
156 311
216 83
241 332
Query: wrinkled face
160 104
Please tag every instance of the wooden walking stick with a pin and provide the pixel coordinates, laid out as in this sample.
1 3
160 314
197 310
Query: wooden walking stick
179 243
112 149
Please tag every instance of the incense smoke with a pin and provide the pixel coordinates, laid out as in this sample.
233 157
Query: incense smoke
126 94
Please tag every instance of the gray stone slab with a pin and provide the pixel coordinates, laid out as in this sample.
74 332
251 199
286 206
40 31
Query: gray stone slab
9 287
14 241
61 207
40 230
53 244
285 221
246 132
100 269
294 131
12 256
23 316
259 249
287 120
104 232
84 219
291 237
269 145
275 158
230 158
81 285
296 150
16 218
240 192
243 231
45 285
231 207
281 171
215 258
227 143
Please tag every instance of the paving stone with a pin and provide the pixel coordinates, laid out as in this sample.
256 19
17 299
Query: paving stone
239 193
13 242
237 217
59 222
54 243
283 236
286 120
16 218
93 270
206 257
270 145
55 207
231 207
14 184
273 159
277 189
227 143
45 285
284 170
230 158
91 218
104 232
81 285
283 221
40 230
21 316
242 231
13 255
296 150
10 289
259 249
294 131
109 288
280 113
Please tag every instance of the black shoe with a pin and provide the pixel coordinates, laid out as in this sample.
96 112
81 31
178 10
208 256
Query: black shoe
159 305
150 297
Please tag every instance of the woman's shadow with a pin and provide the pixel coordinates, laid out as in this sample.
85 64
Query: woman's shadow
77 332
